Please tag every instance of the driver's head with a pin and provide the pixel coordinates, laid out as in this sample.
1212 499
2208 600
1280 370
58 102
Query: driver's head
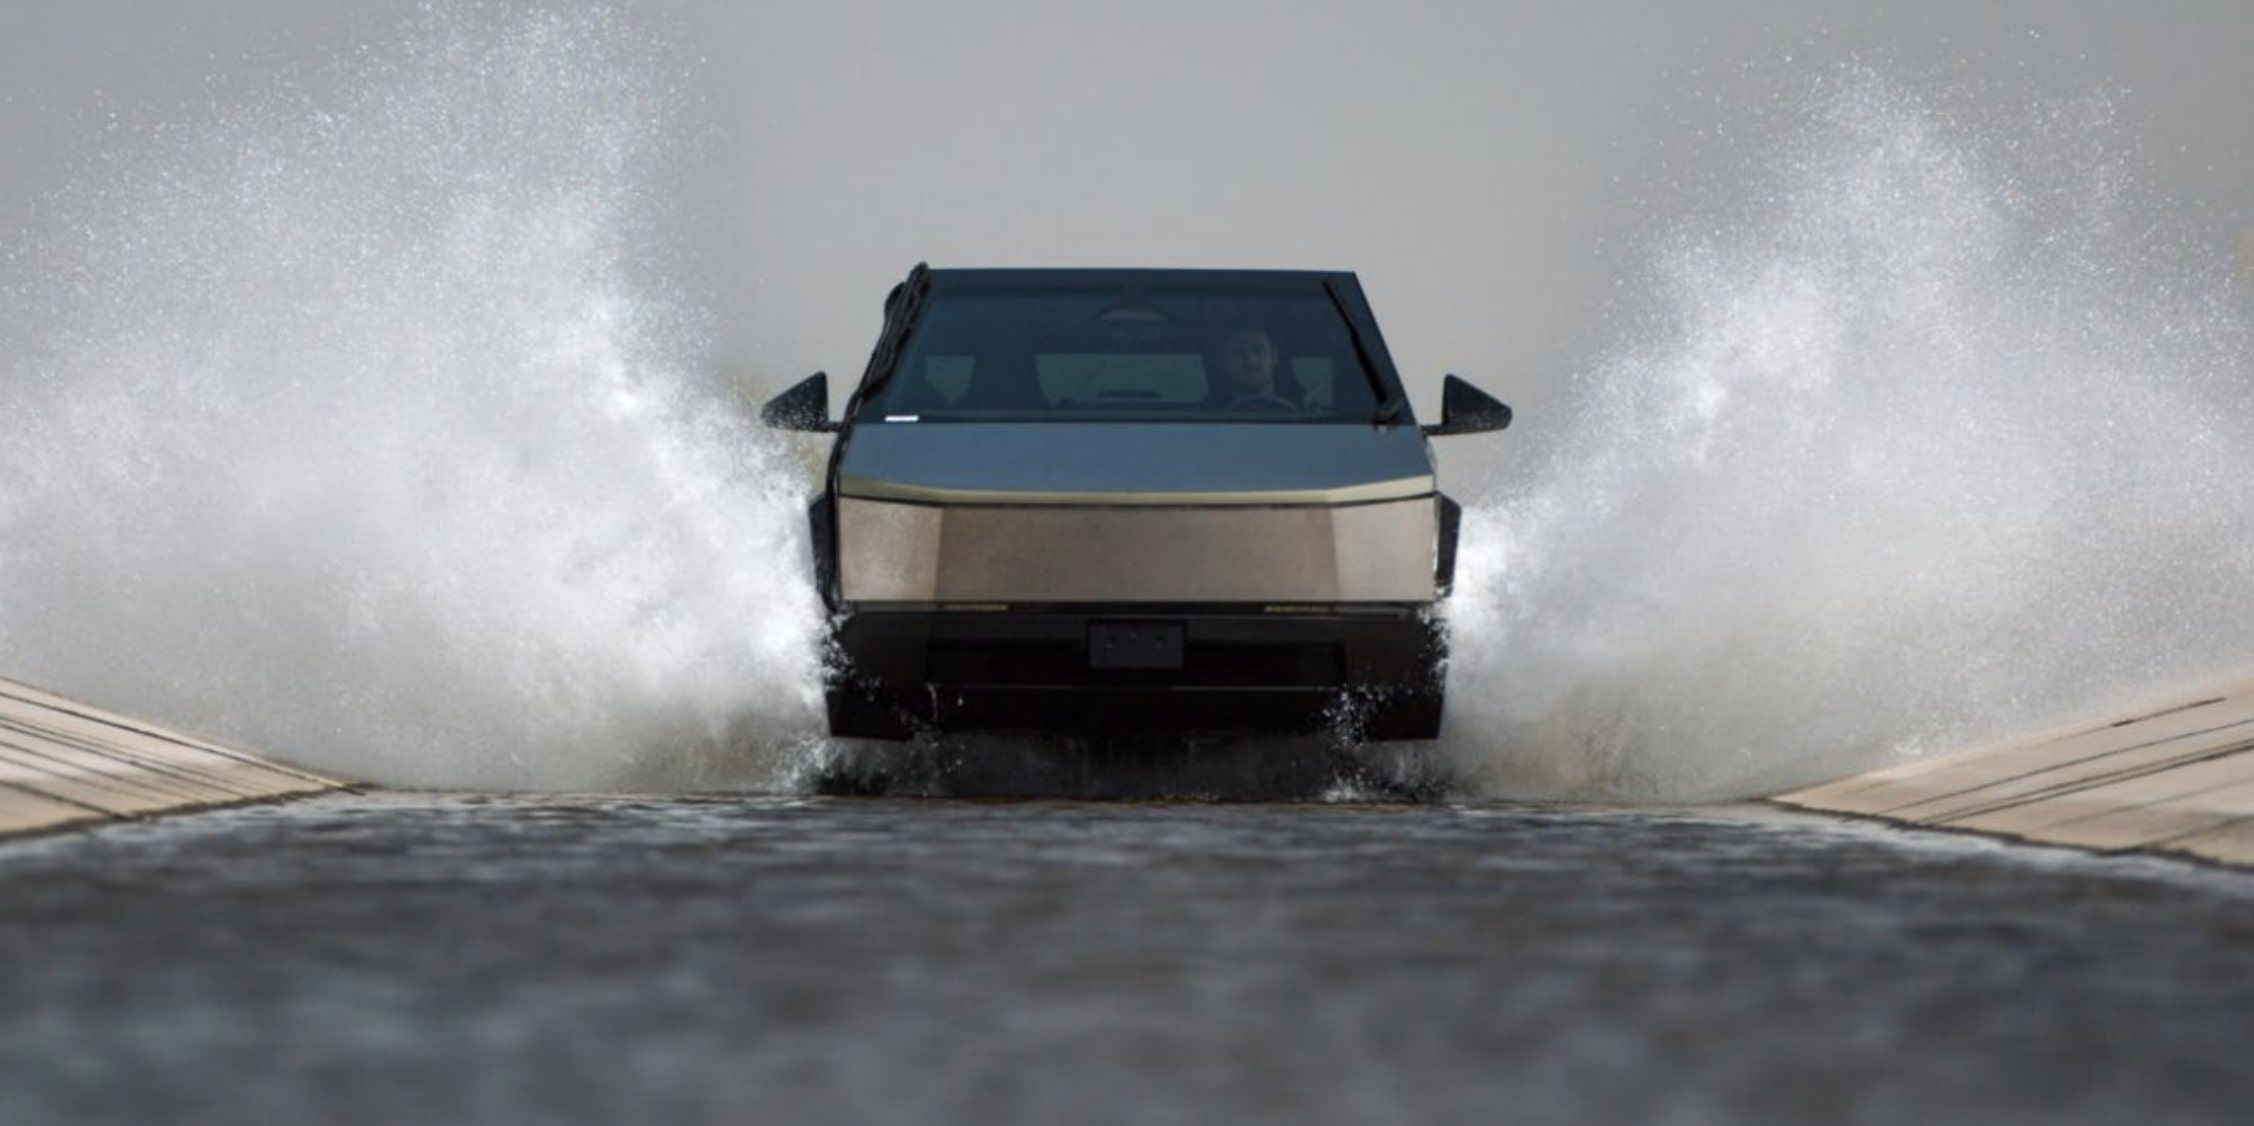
1250 360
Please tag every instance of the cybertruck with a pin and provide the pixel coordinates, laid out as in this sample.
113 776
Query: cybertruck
1097 502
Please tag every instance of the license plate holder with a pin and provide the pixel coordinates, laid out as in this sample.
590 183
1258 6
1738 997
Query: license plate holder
1134 645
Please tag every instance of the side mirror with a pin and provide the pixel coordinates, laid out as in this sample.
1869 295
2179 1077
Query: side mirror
1465 409
805 406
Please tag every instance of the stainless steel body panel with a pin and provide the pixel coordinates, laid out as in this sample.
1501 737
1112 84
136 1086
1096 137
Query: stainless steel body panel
1301 554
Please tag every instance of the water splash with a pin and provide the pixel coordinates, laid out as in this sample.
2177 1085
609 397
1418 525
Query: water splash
1932 433
361 426
356 426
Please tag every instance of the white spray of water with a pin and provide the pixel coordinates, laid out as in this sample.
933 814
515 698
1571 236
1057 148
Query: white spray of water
350 427
1931 436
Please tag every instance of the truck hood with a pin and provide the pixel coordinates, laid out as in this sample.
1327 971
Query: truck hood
1140 463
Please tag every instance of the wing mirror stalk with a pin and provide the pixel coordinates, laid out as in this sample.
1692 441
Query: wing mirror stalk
806 406
1465 409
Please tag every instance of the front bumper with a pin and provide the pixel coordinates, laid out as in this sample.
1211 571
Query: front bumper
1215 670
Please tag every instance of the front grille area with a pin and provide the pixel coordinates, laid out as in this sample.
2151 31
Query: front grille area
1063 664
903 670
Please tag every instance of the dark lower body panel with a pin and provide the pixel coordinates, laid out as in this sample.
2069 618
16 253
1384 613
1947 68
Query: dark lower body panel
1136 670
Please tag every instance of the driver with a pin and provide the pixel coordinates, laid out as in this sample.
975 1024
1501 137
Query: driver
1249 359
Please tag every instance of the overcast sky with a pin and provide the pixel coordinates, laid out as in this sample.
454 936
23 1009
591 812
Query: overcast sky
1487 167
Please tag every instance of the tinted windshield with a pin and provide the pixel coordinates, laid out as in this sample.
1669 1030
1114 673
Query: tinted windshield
1124 353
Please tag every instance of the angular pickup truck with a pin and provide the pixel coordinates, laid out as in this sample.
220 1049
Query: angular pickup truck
1132 501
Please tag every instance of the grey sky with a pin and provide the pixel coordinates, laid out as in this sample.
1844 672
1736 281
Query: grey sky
1487 167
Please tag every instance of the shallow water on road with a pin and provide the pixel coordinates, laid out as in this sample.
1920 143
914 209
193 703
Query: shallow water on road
418 957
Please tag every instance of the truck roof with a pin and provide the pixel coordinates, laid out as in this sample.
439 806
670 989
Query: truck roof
980 277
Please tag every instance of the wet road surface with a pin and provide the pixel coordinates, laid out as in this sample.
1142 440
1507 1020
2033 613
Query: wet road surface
441 957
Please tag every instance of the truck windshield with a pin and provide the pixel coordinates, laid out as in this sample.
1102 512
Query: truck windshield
1128 353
